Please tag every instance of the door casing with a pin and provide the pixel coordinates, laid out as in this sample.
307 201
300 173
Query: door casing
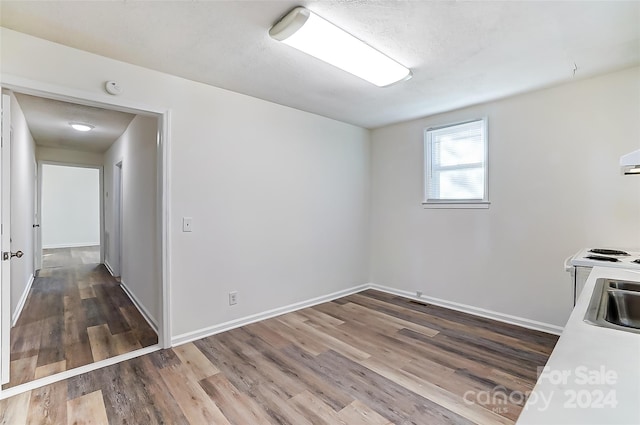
5 240
98 99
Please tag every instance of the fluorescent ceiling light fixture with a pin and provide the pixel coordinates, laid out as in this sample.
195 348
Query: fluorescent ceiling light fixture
81 127
318 37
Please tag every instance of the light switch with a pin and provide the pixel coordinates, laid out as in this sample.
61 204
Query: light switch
187 224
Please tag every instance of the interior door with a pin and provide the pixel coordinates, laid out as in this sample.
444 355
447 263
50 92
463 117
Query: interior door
37 238
5 240
117 243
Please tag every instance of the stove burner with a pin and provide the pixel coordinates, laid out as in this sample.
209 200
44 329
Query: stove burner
608 251
602 258
637 261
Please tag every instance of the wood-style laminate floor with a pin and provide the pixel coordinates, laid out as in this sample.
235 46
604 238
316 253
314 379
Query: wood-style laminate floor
73 316
369 358
62 257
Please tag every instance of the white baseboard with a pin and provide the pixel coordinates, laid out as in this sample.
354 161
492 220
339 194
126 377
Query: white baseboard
23 299
109 268
70 245
212 330
145 313
476 311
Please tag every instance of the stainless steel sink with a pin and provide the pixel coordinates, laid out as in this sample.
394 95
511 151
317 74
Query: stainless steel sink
627 286
615 304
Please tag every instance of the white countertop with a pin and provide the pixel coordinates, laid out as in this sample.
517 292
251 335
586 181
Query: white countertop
593 374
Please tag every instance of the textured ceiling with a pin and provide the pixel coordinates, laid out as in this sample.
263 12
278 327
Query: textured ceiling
48 121
461 53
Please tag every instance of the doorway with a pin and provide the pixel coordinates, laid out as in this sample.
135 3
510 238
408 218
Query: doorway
157 122
70 215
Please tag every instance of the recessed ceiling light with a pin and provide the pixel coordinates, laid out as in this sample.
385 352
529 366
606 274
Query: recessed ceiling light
81 127
318 37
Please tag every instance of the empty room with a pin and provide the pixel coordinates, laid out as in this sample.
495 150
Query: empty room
320 212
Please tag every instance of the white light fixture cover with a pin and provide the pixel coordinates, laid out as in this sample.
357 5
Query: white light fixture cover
81 127
317 37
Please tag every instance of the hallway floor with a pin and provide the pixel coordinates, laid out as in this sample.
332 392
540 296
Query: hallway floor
74 315
61 257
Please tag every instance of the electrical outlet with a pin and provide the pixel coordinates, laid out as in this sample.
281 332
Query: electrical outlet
187 224
233 298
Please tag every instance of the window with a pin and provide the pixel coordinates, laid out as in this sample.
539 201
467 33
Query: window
456 165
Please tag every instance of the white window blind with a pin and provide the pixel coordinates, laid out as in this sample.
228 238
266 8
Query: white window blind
456 163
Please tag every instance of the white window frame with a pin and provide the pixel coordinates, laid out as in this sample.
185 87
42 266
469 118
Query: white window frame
455 203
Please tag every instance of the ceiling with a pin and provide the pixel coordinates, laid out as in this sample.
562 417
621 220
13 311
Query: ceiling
461 53
48 121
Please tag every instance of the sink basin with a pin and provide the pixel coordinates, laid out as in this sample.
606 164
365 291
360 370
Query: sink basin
615 304
627 286
623 308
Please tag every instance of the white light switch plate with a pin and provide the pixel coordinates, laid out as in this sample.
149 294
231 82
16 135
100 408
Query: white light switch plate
187 224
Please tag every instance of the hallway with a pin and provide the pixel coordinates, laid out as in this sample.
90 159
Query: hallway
74 315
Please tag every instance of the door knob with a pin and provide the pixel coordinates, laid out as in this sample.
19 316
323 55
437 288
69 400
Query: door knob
9 255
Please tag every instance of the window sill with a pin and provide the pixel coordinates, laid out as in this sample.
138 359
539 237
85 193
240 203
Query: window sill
457 205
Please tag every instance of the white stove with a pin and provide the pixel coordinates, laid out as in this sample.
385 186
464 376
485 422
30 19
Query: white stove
605 257
580 264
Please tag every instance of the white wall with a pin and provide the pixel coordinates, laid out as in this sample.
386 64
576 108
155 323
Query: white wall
23 171
555 187
70 206
136 148
279 197
68 156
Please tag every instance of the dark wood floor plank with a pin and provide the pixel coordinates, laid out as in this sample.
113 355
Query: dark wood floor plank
109 305
387 398
315 410
268 335
501 328
25 340
164 358
479 356
439 394
144 333
449 323
358 413
329 394
93 312
135 394
51 340
236 406
166 408
255 366
76 337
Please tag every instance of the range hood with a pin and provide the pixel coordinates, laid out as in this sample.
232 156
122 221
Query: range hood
630 163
